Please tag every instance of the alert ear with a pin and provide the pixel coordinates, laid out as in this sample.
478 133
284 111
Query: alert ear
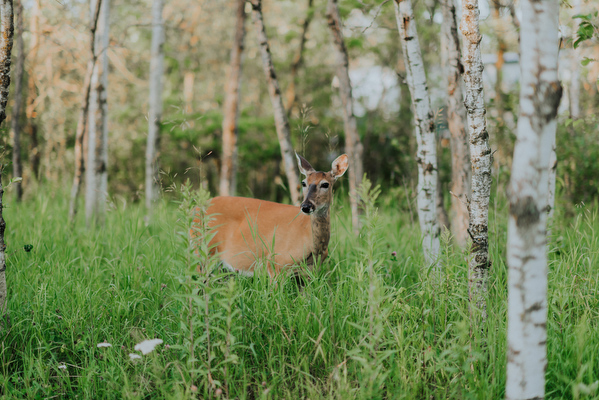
339 166
304 166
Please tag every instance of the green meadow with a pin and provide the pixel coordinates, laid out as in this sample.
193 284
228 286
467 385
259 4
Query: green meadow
371 322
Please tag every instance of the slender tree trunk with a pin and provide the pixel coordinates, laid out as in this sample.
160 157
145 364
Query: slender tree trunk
501 47
83 114
31 128
155 112
6 38
552 180
442 216
353 145
231 109
102 162
574 92
95 163
424 129
90 162
281 121
479 263
17 166
540 93
298 59
456 120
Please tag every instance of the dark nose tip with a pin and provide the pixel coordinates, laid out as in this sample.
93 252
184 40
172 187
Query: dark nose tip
307 208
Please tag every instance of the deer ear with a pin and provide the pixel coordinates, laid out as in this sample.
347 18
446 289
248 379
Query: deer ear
304 166
339 166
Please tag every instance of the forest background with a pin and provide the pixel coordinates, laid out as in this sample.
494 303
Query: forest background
371 324
199 38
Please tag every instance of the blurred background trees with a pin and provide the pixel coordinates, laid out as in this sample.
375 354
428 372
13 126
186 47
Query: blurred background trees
199 36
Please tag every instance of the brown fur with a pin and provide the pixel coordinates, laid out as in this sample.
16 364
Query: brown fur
251 232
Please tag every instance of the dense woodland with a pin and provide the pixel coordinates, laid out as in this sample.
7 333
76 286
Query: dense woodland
463 253
199 37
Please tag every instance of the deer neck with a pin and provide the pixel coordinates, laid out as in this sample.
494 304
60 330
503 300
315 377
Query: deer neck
321 233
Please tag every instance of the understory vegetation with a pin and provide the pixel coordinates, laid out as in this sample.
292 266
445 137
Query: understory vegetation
370 323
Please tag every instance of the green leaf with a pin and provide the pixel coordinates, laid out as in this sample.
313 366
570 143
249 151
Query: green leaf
586 61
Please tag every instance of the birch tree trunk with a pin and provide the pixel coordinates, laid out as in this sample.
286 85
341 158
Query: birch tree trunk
281 121
540 93
353 145
91 187
17 166
102 163
6 38
83 115
155 111
298 59
95 178
574 92
478 263
551 180
424 129
231 109
442 216
456 120
31 127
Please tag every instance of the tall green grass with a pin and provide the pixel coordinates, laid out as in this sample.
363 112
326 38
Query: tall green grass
368 324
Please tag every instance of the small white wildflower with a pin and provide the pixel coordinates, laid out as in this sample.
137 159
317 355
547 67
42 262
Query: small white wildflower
147 346
134 356
62 366
104 344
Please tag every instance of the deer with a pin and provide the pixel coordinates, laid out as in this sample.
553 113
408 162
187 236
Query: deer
249 232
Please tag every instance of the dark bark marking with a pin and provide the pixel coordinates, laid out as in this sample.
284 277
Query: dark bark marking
526 212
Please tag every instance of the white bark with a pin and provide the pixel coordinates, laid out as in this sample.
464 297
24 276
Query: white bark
97 127
540 94
281 121
6 39
574 92
83 115
90 162
424 128
231 107
102 166
481 158
353 146
456 120
155 111
552 179
18 100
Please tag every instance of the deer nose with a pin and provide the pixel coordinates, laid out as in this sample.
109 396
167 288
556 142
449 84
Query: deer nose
307 208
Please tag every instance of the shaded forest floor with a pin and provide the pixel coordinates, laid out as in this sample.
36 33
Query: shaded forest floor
371 323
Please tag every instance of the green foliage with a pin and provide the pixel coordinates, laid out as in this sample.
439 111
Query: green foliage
367 325
577 169
587 28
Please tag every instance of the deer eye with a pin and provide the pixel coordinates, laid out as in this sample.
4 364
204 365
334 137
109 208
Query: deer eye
325 185
304 183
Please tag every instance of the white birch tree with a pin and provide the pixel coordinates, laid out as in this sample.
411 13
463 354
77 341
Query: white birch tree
481 159
83 115
353 145
15 126
155 109
97 128
540 93
6 39
231 107
574 89
281 121
456 119
298 59
424 129
102 164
